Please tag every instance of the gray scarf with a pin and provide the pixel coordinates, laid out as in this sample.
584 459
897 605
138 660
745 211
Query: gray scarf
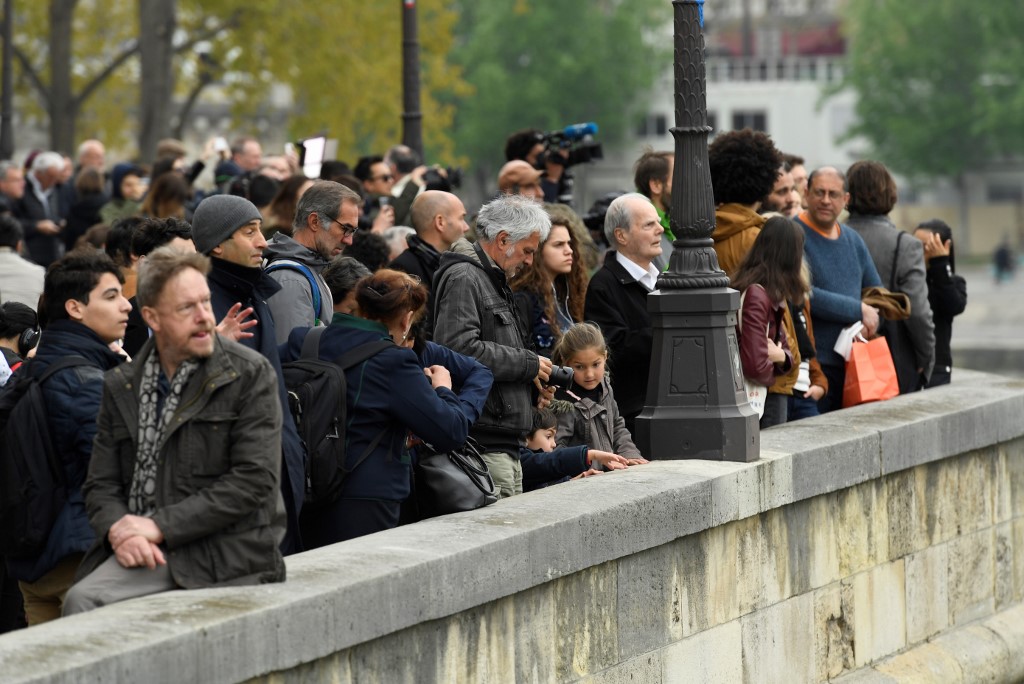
142 497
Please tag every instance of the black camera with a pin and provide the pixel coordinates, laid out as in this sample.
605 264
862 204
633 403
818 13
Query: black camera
433 179
577 139
561 376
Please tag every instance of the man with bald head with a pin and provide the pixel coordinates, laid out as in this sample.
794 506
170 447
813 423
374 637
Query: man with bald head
841 267
92 154
439 219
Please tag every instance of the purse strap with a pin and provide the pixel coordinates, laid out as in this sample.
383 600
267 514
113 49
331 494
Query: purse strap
895 257
739 314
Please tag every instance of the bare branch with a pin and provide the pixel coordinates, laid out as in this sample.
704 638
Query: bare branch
207 33
127 53
31 72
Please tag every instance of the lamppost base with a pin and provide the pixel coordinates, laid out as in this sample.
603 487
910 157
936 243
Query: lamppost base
696 403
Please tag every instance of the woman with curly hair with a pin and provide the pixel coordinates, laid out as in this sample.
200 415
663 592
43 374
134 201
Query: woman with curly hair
551 291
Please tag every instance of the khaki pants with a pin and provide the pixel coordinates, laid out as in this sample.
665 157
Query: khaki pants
44 598
506 471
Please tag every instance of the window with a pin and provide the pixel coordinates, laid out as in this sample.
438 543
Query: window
1005 192
757 120
653 125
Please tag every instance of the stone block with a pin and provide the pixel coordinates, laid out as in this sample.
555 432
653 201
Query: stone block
833 634
691 587
725 580
473 646
1011 480
536 634
1003 558
923 507
827 454
982 655
927 595
643 669
975 478
778 642
586 622
970 581
649 612
879 612
776 553
747 537
865 675
862 527
711 657
1009 626
1018 559
926 664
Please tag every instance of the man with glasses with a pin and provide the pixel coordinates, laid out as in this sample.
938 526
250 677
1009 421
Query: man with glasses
841 267
325 221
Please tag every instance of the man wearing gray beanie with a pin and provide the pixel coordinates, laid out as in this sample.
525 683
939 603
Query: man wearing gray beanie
227 228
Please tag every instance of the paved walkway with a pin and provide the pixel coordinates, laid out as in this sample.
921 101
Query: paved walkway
989 334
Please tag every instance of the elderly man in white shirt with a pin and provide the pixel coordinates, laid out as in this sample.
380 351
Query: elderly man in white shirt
617 297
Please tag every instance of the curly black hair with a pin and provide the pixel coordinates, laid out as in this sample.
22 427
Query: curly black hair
744 166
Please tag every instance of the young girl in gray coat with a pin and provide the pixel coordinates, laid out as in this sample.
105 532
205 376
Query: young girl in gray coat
587 413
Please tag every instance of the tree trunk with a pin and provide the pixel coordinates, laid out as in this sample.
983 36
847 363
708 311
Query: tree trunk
63 107
157 21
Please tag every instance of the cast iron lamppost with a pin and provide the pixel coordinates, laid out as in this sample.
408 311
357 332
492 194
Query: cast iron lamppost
696 403
412 117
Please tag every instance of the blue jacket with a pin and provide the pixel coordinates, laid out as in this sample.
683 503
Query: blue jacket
388 392
543 468
471 380
72 403
230 283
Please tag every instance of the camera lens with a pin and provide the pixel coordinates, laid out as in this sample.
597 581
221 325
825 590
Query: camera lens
561 376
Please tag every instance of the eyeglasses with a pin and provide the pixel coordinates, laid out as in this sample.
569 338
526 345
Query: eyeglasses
385 177
347 227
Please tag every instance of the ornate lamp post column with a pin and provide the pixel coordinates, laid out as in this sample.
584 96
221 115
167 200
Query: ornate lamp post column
696 404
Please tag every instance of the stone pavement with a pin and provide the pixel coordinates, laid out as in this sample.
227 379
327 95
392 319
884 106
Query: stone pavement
989 335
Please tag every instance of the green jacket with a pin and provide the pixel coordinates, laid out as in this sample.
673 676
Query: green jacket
218 503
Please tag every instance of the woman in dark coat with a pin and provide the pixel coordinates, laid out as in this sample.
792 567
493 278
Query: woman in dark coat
947 292
389 395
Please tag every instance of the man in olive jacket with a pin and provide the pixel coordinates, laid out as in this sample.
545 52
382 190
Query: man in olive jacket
182 490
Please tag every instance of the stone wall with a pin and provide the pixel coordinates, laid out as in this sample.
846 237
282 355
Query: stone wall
880 543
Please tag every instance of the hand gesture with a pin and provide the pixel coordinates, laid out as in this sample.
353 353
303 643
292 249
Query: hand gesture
439 376
136 551
607 459
775 352
234 326
384 220
587 473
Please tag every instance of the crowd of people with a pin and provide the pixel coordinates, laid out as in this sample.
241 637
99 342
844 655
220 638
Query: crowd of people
188 459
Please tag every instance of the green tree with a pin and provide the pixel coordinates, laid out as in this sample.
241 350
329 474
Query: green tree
938 84
542 64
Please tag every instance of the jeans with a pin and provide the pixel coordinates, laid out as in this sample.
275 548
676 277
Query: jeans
775 410
801 408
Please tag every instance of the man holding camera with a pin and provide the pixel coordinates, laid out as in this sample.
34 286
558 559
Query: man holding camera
475 315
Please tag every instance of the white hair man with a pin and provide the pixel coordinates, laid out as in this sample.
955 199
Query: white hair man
475 315
40 209
617 297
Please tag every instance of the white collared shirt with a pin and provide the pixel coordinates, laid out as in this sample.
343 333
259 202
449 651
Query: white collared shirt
648 278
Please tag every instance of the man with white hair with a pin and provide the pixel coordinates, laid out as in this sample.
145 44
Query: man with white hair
40 209
475 315
617 297
92 154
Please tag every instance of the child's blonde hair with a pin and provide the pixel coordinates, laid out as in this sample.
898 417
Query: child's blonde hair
579 337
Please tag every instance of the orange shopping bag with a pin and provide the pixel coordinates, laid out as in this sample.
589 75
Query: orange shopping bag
870 373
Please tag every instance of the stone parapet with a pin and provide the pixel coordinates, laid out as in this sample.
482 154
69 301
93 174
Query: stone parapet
858 536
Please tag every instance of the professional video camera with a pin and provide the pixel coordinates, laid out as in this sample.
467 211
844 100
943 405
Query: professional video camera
577 139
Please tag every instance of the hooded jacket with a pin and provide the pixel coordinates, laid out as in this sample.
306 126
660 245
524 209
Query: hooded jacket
292 307
475 315
736 228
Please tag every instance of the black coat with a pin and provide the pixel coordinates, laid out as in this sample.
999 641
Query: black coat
947 294
420 260
230 283
42 249
618 304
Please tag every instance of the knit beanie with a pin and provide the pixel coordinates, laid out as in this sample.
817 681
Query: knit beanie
218 217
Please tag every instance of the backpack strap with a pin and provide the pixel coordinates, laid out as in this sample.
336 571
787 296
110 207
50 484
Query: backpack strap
302 268
66 362
311 343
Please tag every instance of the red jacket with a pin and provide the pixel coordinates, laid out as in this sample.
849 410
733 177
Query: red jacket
757 315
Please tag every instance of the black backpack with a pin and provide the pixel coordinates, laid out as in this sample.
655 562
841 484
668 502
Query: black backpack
33 487
317 398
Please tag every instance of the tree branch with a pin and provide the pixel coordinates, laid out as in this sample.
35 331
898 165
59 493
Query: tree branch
208 33
30 71
107 72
